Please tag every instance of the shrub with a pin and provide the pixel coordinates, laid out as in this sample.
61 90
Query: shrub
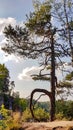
26 116
59 116
8 122
41 114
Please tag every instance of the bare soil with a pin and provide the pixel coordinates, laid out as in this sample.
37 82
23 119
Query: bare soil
56 125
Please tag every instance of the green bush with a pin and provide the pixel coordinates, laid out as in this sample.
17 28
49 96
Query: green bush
3 125
4 112
64 109
41 114
8 122
59 116
26 115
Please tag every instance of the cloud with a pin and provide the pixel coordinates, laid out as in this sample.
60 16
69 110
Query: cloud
27 72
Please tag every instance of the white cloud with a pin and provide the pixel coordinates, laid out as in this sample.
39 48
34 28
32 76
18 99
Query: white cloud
27 72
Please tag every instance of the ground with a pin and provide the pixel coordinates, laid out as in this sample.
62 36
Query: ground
56 125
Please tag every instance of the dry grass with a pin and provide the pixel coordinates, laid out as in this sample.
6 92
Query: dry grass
16 116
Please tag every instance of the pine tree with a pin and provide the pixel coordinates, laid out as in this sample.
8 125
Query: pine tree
22 41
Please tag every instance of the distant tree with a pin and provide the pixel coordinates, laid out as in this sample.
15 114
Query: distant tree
23 104
64 109
4 78
5 85
16 94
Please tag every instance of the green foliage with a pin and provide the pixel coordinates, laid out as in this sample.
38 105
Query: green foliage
20 104
27 117
64 84
3 71
41 114
69 76
6 86
69 113
44 105
59 116
71 24
59 106
9 122
3 125
6 115
16 103
23 104
18 36
40 111
65 87
4 112
37 21
40 77
4 78
64 109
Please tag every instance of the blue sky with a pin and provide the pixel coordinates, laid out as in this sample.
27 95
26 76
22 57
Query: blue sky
15 8
14 12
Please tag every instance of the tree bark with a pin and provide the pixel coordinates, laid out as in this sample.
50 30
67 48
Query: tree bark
52 111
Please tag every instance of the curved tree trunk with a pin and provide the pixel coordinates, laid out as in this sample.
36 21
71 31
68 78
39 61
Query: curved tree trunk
31 99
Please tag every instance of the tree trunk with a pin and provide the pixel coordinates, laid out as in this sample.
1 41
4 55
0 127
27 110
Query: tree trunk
52 111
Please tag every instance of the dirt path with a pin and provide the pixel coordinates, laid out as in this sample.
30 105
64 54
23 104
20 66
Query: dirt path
56 125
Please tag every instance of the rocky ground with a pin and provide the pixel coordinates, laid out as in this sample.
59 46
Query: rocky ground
56 125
